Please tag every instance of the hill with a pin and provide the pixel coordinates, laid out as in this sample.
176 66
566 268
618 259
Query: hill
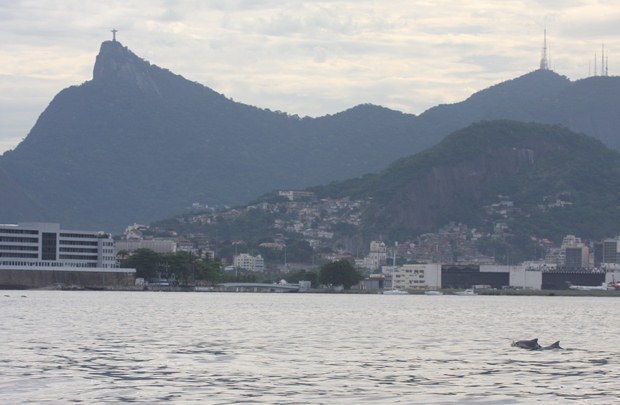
137 142
550 181
512 187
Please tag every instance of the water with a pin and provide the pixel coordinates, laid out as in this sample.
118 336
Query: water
61 347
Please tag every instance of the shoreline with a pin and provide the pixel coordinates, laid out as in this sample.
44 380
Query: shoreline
480 292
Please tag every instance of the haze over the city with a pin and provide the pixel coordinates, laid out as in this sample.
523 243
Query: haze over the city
302 57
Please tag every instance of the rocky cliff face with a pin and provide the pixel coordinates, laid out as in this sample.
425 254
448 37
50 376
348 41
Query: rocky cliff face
422 204
470 169
116 63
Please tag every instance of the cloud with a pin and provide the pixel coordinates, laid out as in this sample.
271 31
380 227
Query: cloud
304 57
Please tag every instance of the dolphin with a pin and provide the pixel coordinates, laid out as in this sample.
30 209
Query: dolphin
553 346
533 345
527 344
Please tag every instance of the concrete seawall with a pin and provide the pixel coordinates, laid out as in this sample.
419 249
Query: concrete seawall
25 279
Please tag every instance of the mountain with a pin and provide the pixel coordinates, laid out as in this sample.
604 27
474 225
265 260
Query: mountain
537 180
13 197
137 142
590 106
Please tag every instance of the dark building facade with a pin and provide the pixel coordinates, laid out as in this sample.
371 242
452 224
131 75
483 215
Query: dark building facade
464 276
574 257
562 280
610 251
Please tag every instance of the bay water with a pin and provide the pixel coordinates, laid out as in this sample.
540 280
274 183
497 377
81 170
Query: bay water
60 347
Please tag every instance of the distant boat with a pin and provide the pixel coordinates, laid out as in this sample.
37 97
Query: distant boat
604 287
395 291
469 291
432 292
613 285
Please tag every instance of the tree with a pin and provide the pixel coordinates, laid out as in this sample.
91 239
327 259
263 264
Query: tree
341 272
145 261
299 251
304 275
182 266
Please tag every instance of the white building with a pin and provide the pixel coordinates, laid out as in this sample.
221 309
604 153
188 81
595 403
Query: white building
156 245
376 257
526 276
248 262
295 195
46 245
416 276
37 254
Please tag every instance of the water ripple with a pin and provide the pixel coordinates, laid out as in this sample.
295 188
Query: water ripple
95 347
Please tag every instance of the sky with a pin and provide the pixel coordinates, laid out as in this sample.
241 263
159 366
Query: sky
309 58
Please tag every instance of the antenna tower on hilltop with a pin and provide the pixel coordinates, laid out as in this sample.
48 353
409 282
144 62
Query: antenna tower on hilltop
604 63
544 61
604 70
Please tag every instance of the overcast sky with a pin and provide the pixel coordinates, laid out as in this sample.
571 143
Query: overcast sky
303 57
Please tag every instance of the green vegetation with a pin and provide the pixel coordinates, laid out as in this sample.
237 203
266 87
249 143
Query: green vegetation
558 182
338 273
303 275
180 266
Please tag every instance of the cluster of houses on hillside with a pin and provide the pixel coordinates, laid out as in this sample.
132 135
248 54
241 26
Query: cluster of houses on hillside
317 221
312 219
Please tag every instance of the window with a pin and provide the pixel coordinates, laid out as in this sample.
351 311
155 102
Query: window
48 246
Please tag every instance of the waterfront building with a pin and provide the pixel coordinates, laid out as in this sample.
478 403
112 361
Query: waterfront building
373 282
248 262
416 276
524 276
468 276
37 254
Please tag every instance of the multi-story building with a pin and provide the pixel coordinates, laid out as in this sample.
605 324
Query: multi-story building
376 257
610 251
44 247
416 276
576 257
574 253
598 253
156 245
248 262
